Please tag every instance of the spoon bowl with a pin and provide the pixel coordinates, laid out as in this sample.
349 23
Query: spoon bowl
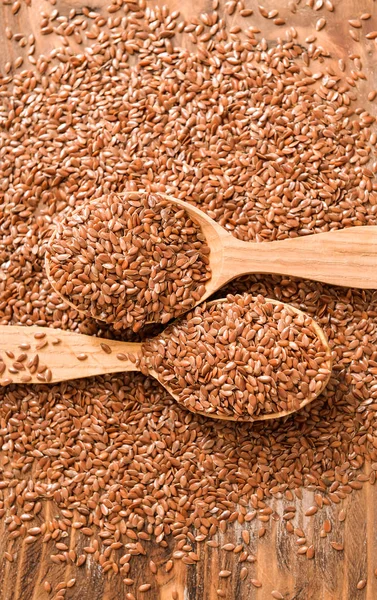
46 355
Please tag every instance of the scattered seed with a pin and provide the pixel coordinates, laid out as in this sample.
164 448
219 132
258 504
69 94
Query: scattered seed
311 511
320 24
337 546
169 565
361 584
355 23
153 566
106 348
225 573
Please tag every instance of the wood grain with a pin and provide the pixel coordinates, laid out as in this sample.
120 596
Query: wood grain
330 575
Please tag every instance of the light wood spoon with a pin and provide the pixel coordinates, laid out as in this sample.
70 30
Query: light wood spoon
346 257
71 355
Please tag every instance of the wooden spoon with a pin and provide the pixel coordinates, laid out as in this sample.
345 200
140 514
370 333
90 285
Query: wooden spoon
71 355
345 257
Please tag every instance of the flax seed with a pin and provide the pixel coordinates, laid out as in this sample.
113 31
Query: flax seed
337 546
225 573
152 567
342 515
361 584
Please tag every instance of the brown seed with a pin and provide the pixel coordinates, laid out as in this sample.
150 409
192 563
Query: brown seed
277 595
361 584
169 565
144 587
246 536
82 356
256 583
327 526
225 573
355 23
311 511
40 335
71 582
106 348
320 24
153 566
337 546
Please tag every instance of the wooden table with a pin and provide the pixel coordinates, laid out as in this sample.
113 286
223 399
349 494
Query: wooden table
331 575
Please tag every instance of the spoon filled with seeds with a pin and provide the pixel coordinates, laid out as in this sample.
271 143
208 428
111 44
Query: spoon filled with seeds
135 258
240 358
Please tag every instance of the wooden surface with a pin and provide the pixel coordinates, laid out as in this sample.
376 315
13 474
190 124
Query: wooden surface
330 575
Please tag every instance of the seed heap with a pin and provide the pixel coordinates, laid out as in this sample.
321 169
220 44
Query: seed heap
240 358
129 259
272 141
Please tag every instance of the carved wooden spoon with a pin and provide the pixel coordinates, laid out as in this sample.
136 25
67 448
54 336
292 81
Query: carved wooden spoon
346 257
45 355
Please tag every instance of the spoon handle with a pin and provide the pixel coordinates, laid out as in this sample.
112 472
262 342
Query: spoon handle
347 257
64 354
